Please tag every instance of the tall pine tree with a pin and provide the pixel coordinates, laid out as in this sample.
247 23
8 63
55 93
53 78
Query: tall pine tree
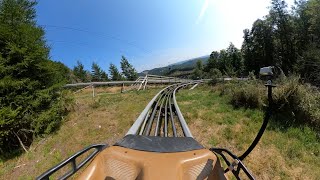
30 104
114 73
80 72
97 73
128 70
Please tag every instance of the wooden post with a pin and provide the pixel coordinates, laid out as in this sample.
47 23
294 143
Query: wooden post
145 78
145 84
92 90
122 88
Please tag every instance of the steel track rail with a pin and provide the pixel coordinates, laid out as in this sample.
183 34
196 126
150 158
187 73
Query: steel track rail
158 107
174 130
136 125
160 111
150 80
185 128
150 121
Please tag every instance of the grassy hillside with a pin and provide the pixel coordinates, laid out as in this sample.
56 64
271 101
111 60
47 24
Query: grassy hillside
282 154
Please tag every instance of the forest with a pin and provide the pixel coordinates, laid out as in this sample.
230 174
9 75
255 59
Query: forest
287 38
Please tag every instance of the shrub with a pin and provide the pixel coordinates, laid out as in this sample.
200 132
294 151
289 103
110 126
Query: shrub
251 76
295 103
224 88
246 95
214 75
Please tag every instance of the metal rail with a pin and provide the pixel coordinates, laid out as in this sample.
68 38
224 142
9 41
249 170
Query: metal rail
161 113
235 166
75 165
150 79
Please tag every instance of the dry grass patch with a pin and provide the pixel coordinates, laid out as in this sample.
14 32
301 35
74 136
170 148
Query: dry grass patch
103 119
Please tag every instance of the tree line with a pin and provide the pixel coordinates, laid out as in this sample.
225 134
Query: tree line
288 38
228 62
97 74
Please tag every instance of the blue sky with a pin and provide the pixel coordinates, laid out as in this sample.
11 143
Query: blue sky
149 33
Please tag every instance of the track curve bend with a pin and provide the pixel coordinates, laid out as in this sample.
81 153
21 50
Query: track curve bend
162 116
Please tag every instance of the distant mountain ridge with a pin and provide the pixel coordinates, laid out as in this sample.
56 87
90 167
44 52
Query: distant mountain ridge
180 68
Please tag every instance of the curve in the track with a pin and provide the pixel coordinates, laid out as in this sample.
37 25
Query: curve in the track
162 116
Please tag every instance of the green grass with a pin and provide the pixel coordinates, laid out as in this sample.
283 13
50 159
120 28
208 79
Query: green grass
290 153
283 153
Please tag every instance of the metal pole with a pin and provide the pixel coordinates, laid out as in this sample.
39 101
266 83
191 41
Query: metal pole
267 116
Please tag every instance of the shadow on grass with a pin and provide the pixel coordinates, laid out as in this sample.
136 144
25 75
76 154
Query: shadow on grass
14 149
7 156
283 120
